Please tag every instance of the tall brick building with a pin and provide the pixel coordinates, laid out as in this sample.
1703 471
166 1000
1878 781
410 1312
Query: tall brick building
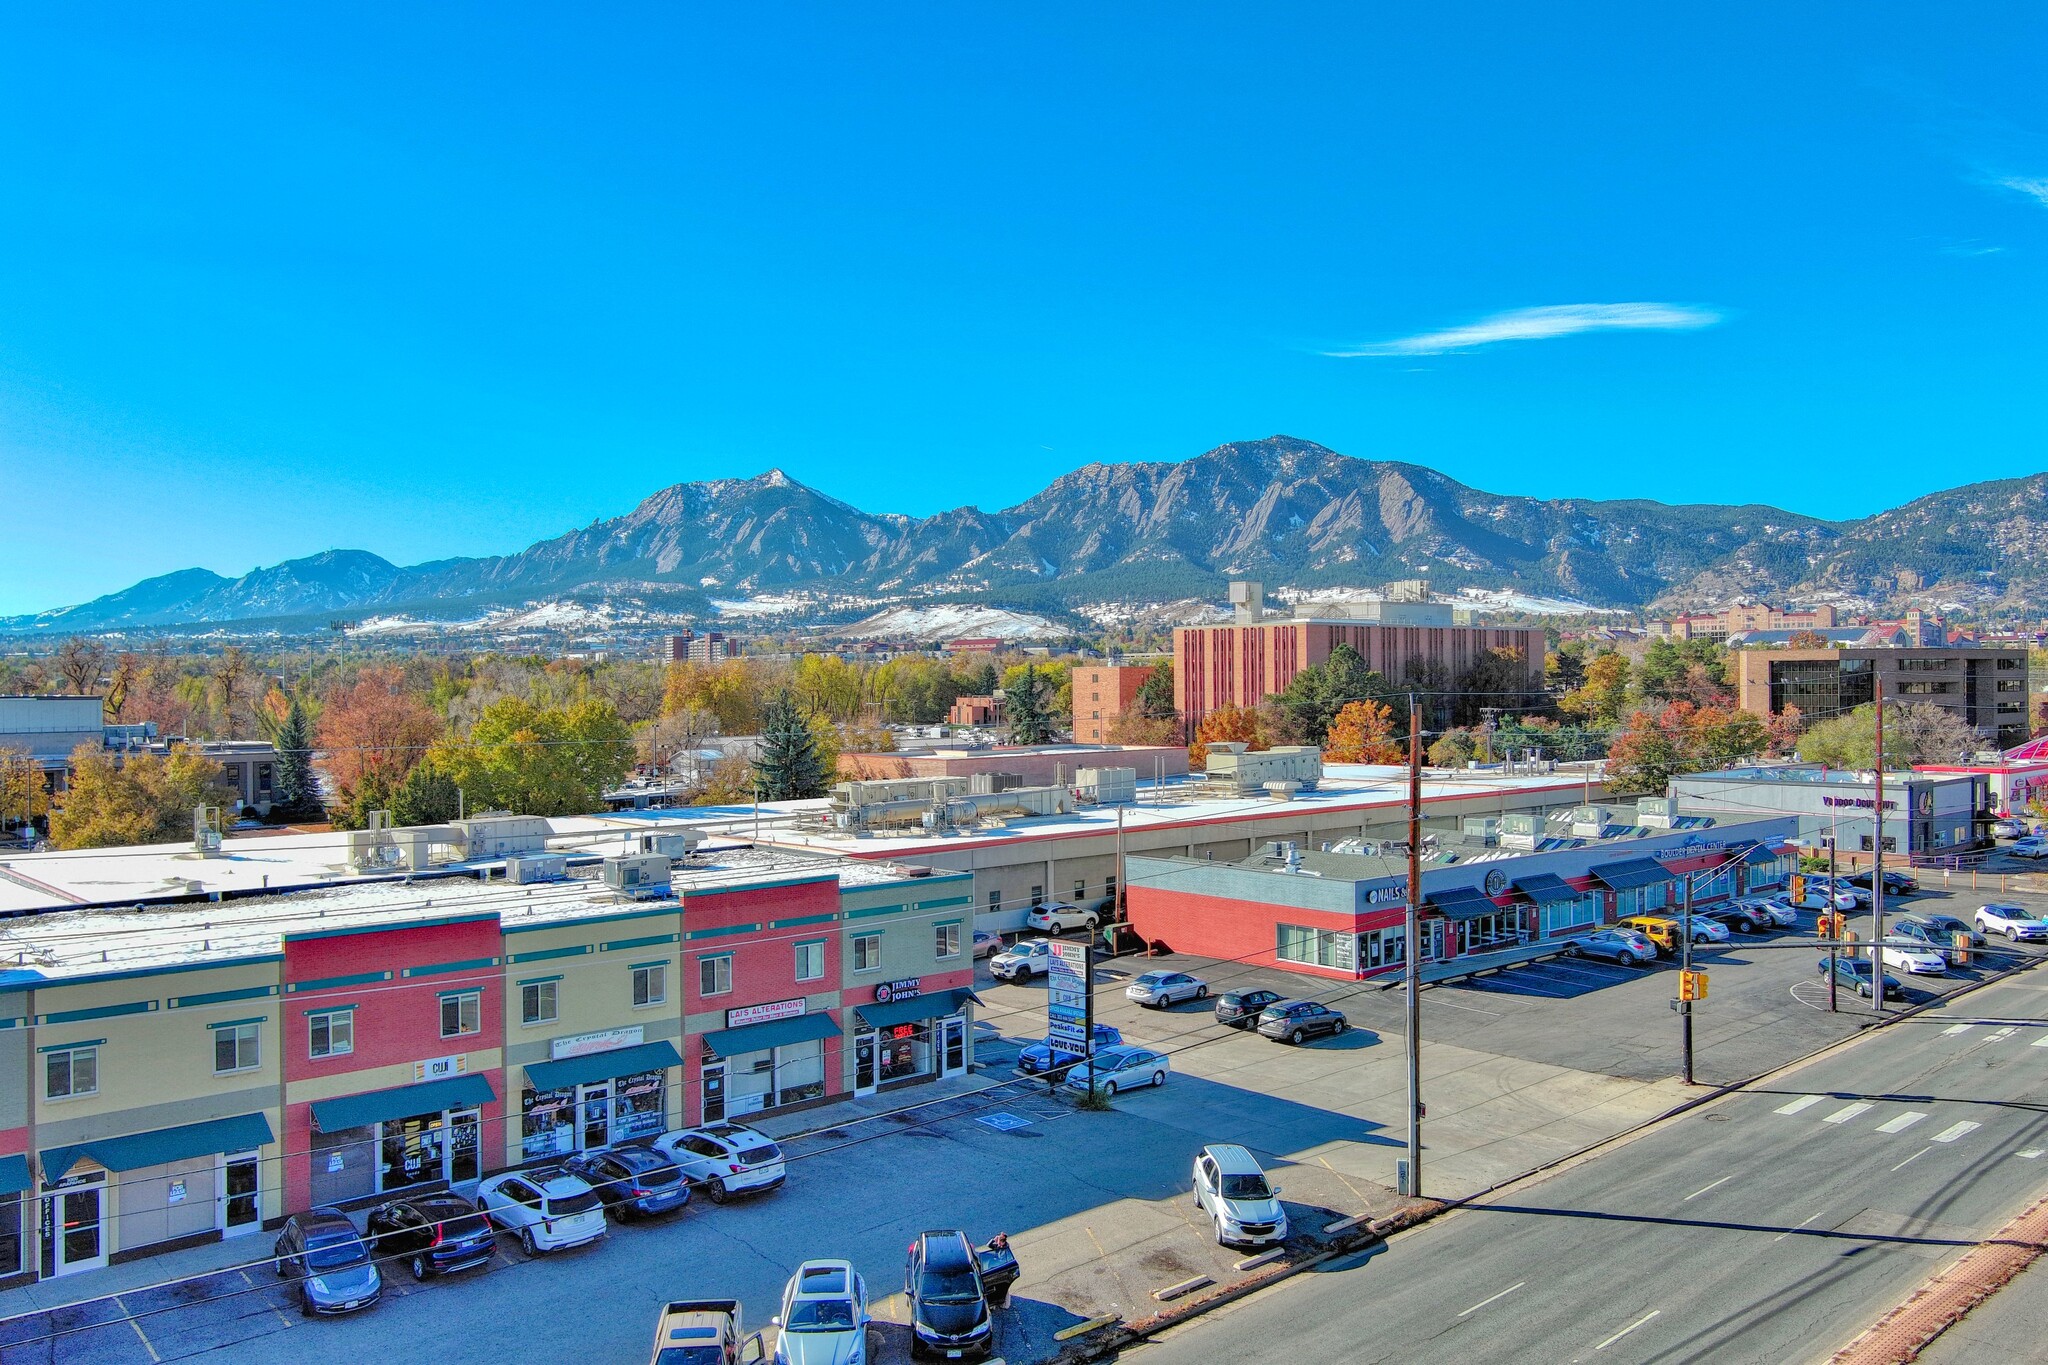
1101 695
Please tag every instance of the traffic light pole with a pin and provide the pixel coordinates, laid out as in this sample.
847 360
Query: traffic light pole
1834 917
1685 965
1413 976
1877 863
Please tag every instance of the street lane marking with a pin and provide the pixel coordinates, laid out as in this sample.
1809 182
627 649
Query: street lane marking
2005 1032
1483 1302
2042 1041
1953 1029
1800 1224
1902 1122
1951 1133
1848 1111
1913 1158
1697 1193
2033 1152
1630 1328
154 1358
1796 1105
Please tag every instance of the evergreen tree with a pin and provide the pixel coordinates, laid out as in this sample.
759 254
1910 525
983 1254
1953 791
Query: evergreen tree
789 768
1025 703
428 796
293 789
1155 695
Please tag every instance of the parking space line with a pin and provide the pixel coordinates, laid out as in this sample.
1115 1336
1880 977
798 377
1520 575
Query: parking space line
1951 1133
1630 1328
1902 1122
1795 1227
1483 1302
136 1323
1697 1193
1913 1158
1803 1102
1849 1111
2042 1041
273 1307
2032 1152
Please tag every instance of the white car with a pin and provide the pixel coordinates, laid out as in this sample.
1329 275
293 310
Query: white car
2033 846
1160 989
550 1209
725 1159
1021 961
1781 911
1817 897
1910 955
2009 829
1708 930
1056 917
1233 1190
2014 921
824 1317
1120 1068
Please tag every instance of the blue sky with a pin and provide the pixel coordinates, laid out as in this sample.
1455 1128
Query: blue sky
435 280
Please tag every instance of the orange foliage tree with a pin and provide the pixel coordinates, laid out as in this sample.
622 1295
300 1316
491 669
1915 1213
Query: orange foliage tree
373 731
1363 732
1227 724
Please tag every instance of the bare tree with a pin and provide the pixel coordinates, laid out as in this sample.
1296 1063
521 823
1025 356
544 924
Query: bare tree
79 663
233 682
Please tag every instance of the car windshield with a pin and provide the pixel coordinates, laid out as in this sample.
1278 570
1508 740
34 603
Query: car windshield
2015 912
691 1355
581 1202
754 1156
820 1315
1246 1187
948 1286
336 1251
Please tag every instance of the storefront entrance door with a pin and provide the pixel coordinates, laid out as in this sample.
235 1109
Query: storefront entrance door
463 1147
75 1227
239 1208
1436 940
865 1063
597 1116
953 1046
714 1092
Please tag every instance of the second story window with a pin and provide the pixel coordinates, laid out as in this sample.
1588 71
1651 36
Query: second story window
650 983
946 940
70 1072
462 1013
537 1002
810 960
235 1048
714 975
867 953
331 1034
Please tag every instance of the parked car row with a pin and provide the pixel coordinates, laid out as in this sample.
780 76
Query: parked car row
550 1207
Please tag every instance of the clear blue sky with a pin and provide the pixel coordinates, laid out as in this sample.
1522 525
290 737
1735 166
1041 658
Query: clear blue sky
444 279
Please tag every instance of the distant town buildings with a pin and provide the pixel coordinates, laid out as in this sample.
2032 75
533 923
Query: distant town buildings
1240 664
976 644
1743 616
1101 694
50 728
1985 688
689 646
975 711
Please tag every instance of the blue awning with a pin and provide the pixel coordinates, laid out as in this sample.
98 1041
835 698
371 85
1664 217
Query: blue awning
401 1102
934 1006
801 1028
1461 902
1762 853
241 1133
1632 873
602 1066
13 1174
1546 888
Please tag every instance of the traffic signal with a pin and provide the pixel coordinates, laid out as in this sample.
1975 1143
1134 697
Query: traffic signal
1692 985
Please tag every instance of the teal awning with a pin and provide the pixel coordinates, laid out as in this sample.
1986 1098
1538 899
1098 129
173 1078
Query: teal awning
1460 902
242 1133
801 1028
602 1066
401 1102
1632 873
934 1006
1762 853
1545 888
13 1174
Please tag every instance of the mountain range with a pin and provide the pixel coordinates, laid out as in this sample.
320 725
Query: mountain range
1283 510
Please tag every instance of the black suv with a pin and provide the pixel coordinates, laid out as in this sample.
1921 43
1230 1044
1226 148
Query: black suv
1241 1009
949 1313
433 1234
1299 1020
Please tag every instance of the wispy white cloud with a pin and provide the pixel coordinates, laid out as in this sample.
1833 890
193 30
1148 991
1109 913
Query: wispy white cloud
1538 324
2033 186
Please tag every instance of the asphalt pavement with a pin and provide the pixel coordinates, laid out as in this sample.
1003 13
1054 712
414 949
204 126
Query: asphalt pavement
1771 1225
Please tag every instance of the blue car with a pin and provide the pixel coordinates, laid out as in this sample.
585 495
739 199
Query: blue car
633 1182
1042 1056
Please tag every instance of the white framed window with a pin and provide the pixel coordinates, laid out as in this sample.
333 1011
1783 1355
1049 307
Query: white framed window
650 984
70 1072
867 952
462 1013
1582 913
946 939
331 1033
537 1002
714 975
235 1048
810 960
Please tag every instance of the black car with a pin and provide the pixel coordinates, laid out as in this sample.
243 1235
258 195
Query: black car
949 1313
434 1234
1743 919
632 1181
336 1274
1895 883
1299 1020
1241 1009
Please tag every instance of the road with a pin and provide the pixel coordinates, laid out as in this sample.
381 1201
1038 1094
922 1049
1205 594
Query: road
1769 1226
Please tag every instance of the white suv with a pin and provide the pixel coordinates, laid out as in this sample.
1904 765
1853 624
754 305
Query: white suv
2015 922
549 1208
1056 917
725 1158
1022 961
1232 1189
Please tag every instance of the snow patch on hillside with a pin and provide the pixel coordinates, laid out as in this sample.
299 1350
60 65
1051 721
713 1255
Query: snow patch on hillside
951 621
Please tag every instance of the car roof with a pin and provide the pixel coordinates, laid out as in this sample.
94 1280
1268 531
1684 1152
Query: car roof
946 1247
323 1220
557 1182
1232 1159
824 1279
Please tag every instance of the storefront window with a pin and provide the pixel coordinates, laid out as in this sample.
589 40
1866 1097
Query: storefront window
750 1082
640 1106
10 1234
344 1165
409 1151
800 1072
548 1123
906 1050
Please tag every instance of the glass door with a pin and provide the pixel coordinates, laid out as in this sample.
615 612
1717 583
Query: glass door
865 1063
240 1208
597 1116
953 1045
464 1147
80 1239
714 1092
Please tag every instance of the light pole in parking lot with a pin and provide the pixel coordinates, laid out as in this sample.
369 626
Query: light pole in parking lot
1412 977
1685 967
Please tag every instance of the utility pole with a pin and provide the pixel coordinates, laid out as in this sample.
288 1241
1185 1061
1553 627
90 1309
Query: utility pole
1877 863
1116 901
1834 918
1685 965
1414 950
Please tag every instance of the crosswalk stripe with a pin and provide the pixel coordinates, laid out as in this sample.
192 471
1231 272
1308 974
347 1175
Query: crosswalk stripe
1954 1131
1902 1122
1954 1029
2005 1032
1848 1111
1804 1100
2032 1152
2042 1041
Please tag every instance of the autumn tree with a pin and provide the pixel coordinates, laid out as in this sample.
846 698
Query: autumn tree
24 791
127 670
79 663
234 680
1603 697
373 729
1226 724
1453 749
135 799
538 760
1808 639
1914 732
1680 738
1363 732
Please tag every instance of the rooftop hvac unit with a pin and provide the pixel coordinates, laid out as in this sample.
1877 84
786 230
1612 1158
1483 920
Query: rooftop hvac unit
639 876
967 810
988 784
1656 812
525 869
497 836
672 844
1108 786
1521 830
1587 822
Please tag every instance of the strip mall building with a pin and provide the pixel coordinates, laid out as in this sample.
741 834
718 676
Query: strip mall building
1343 915
178 1074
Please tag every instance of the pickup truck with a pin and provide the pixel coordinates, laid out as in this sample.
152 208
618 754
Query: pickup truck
704 1332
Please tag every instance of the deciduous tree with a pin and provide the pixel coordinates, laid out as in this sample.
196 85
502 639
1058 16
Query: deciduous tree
79 663
374 728
136 799
1363 732
24 792
1226 724
1914 732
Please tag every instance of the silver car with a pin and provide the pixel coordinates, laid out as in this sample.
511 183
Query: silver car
1616 945
824 1317
1233 1190
1160 989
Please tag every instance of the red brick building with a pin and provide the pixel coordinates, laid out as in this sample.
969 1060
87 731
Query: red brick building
1101 695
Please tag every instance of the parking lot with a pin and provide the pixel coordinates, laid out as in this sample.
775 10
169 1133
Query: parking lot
1520 1066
